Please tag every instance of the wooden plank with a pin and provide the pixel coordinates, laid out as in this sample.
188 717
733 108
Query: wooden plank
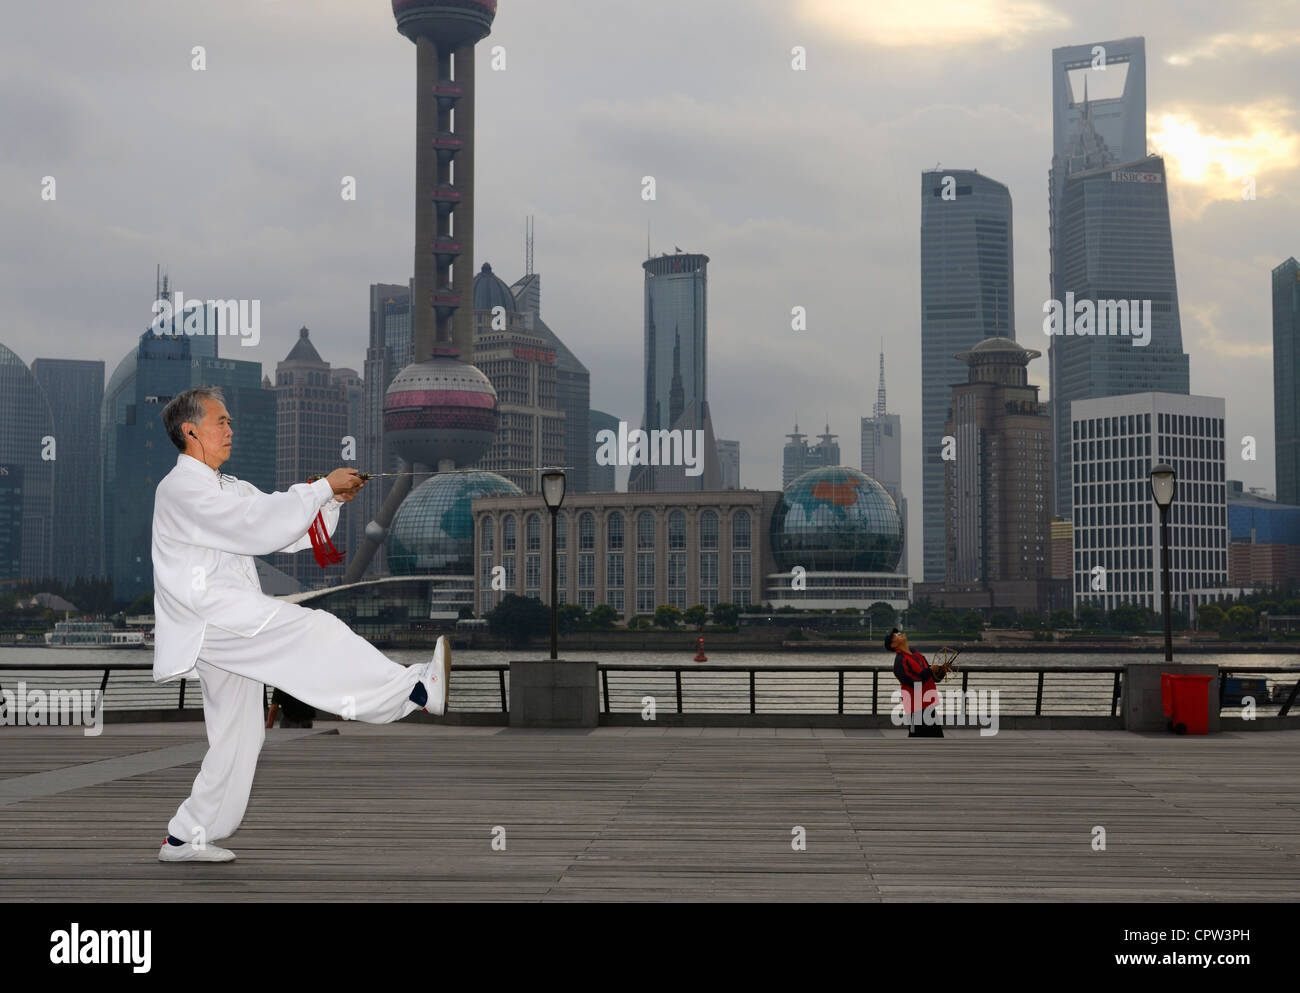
657 813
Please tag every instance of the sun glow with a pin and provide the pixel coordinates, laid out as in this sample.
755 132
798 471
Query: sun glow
932 23
1260 139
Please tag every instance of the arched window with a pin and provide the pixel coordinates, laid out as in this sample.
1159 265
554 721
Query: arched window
533 533
676 530
645 530
614 532
586 531
561 531
487 542
740 530
709 529
508 527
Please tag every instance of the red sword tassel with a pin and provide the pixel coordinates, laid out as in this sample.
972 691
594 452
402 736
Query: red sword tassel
321 546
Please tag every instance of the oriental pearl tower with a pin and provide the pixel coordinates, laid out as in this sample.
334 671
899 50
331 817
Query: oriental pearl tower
440 411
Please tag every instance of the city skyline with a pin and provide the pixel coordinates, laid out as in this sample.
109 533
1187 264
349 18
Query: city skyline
269 222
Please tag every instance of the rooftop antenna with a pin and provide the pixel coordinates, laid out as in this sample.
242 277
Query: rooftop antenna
647 238
880 390
528 245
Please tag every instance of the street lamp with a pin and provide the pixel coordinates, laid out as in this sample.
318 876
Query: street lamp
1163 483
553 494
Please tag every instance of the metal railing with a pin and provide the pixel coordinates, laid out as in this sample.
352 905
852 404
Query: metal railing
1287 702
137 691
854 689
1044 691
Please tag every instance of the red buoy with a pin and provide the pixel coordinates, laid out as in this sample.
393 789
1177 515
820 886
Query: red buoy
699 653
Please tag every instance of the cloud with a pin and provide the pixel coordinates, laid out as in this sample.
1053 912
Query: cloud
1204 330
1223 152
1233 43
933 23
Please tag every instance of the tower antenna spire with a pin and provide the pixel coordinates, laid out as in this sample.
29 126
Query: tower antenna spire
528 245
880 390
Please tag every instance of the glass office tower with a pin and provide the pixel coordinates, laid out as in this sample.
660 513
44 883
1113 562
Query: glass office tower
1109 238
967 292
1286 377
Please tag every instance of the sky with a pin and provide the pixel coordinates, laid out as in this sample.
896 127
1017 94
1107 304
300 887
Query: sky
800 184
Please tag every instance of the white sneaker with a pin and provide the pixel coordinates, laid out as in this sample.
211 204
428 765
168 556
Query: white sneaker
188 853
436 676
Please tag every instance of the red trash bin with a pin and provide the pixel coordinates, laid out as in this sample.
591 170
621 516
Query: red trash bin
1186 701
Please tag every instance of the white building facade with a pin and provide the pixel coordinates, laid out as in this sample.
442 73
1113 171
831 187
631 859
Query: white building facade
1114 443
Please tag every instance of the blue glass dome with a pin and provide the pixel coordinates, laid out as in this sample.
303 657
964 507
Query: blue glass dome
836 519
433 530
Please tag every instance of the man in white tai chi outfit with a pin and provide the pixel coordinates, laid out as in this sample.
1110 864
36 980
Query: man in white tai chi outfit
212 619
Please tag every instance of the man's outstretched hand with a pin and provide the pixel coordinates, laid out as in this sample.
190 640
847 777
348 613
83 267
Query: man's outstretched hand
345 483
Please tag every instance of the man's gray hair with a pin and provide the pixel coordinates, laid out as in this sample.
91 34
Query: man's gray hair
188 406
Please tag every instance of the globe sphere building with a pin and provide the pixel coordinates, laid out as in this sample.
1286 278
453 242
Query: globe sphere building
836 519
433 532
441 410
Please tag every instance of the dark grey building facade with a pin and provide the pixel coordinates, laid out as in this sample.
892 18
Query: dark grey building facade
137 452
600 478
967 294
390 350
1286 380
572 385
78 386
25 424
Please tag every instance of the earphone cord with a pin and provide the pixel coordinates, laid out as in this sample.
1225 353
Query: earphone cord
220 475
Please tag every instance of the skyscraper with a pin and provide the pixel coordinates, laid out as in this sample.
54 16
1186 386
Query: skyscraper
729 461
967 294
600 478
998 488
572 382
137 452
11 521
676 337
1114 441
882 455
676 366
1110 241
26 432
78 386
351 527
1286 380
389 349
799 457
521 365
311 423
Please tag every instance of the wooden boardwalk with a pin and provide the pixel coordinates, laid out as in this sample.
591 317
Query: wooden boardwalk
406 813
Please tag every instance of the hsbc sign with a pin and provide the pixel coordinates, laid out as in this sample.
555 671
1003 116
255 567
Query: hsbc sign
1120 176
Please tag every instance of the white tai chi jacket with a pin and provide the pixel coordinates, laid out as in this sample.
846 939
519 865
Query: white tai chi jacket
205 532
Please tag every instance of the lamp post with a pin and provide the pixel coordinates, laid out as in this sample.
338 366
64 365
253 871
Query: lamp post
553 482
1162 483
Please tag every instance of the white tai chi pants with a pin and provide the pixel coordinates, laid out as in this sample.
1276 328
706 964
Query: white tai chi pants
311 655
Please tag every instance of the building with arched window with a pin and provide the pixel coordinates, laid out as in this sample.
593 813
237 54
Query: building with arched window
639 551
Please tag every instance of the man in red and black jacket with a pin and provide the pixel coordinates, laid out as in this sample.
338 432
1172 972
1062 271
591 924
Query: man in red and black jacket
911 668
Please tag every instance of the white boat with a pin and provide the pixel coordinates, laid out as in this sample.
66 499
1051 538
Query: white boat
91 634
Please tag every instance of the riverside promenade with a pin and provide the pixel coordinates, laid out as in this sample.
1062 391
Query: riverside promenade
409 812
